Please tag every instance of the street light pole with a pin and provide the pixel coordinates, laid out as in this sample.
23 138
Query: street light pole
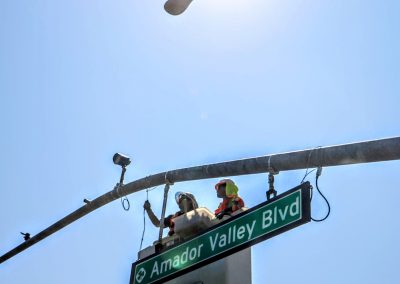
339 155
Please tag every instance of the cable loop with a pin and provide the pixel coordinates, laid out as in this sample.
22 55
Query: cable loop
127 202
317 175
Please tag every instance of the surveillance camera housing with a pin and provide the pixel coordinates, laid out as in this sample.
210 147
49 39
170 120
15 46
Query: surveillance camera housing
121 159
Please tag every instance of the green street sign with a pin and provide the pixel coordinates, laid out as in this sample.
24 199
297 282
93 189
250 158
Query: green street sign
257 224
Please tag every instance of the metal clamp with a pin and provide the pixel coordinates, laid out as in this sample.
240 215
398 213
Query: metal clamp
271 189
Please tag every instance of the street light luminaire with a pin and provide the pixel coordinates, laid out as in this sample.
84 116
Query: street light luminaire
176 7
121 160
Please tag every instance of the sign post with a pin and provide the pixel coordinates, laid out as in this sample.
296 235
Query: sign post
268 219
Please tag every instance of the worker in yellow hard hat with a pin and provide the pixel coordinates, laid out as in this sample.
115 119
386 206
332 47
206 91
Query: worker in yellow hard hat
231 202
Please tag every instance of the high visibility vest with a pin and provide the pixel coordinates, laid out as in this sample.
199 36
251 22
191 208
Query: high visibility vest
230 204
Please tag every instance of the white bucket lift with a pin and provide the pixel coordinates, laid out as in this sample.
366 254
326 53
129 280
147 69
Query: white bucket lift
233 269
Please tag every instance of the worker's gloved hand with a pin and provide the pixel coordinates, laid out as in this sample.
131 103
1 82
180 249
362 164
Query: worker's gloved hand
146 205
224 212
168 220
220 215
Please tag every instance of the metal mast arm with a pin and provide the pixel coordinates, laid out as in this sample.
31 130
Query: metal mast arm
355 153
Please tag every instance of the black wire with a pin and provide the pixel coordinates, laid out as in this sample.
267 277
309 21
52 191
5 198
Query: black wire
326 200
144 217
128 203
307 173
308 163
123 199
123 203
144 221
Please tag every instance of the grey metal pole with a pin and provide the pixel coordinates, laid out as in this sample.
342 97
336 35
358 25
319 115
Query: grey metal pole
354 153
166 189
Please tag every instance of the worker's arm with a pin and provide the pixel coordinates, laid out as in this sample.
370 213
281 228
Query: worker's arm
153 218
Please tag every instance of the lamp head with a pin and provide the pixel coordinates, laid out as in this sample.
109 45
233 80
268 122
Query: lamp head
121 160
176 7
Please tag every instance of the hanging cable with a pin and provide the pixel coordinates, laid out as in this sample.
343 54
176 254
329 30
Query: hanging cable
317 175
307 173
123 198
144 217
144 221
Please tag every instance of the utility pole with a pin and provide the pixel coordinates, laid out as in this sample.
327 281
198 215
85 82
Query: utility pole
339 155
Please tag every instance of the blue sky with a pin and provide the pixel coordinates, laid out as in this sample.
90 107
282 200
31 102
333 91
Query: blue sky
81 80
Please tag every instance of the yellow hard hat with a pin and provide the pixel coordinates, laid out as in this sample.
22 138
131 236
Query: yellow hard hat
231 188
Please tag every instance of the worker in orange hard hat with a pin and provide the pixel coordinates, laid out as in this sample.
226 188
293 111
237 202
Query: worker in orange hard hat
231 202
